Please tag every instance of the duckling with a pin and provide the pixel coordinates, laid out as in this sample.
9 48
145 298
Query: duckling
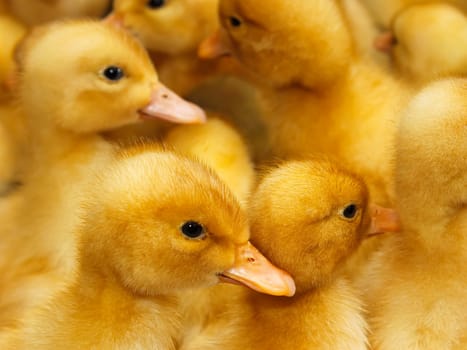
308 217
318 96
427 41
37 12
219 146
114 67
190 232
415 286
110 81
385 10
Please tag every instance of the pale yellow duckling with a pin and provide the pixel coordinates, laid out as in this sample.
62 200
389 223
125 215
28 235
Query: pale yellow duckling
101 79
318 95
35 12
416 286
154 225
88 86
385 10
308 217
427 41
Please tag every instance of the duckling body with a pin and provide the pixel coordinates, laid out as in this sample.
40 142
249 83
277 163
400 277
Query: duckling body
427 41
415 285
219 146
125 293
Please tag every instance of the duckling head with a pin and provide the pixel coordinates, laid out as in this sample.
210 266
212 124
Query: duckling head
427 40
159 223
168 26
303 42
89 76
308 217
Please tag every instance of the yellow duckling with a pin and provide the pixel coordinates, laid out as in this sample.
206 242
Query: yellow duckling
110 82
154 225
416 286
385 10
308 217
37 12
101 79
318 95
427 41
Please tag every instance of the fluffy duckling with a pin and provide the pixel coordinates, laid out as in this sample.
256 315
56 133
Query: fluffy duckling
385 10
416 286
219 146
318 95
109 68
110 81
308 217
171 31
37 12
427 41
154 225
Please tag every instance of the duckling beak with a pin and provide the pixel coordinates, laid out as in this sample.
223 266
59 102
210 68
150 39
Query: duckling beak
213 47
167 105
114 19
383 220
384 42
253 270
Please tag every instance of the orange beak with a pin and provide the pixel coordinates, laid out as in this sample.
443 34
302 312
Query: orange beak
167 105
384 42
383 220
213 47
253 270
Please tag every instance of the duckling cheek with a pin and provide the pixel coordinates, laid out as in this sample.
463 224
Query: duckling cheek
167 105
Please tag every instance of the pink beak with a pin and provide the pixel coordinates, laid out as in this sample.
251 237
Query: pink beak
167 105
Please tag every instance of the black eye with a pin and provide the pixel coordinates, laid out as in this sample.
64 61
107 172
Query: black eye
192 229
350 211
155 4
235 21
113 73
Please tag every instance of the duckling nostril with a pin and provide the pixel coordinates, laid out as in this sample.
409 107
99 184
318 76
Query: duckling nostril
251 260
165 96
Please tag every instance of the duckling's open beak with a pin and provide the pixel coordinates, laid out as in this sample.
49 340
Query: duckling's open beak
167 105
383 220
213 47
251 268
384 42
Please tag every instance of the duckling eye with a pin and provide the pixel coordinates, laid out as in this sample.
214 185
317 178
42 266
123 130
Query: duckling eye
113 73
350 211
155 4
235 21
192 229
